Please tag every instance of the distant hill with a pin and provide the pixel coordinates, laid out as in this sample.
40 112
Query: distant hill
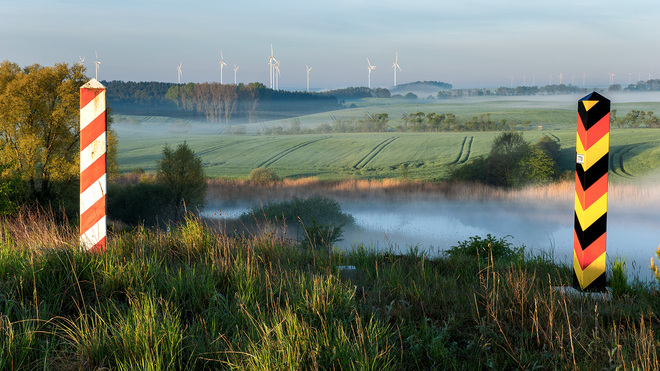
421 88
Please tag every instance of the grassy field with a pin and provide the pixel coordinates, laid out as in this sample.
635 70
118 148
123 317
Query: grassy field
426 156
197 297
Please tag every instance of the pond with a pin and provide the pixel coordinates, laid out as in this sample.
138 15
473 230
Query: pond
541 226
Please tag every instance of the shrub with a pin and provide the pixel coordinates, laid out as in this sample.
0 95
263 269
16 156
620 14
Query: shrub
318 236
9 187
485 247
300 213
263 176
181 172
145 202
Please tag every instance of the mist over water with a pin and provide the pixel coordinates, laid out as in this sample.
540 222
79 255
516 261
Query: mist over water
540 225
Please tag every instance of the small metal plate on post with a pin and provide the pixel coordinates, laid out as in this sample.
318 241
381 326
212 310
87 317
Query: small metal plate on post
580 158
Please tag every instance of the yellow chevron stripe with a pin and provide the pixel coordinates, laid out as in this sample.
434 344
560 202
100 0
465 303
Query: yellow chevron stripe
589 274
592 213
595 153
588 104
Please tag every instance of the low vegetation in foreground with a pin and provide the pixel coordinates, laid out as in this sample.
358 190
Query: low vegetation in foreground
197 297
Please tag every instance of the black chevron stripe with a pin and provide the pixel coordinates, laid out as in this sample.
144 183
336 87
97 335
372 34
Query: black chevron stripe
596 113
592 233
595 172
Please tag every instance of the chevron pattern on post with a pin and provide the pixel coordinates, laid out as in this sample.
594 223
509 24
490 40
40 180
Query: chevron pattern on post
590 235
93 128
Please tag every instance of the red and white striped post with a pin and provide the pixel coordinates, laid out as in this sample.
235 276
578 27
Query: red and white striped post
93 128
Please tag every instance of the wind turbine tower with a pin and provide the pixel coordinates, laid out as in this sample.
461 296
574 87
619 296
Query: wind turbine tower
97 63
561 78
178 69
222 65
276 74
235 69
308 69
370 68
271 65
395 66
611 78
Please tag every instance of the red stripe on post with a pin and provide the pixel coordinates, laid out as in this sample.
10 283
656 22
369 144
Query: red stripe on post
88 95
587 254
595 133
99 247
92 131
92 215
93 173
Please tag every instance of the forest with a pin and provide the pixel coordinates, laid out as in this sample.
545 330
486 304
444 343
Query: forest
214 102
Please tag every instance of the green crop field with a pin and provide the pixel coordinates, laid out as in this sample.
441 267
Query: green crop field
428 156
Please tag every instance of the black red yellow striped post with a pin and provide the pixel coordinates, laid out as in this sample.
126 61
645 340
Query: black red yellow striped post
592 147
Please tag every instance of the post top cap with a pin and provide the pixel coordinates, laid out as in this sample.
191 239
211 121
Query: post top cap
93 84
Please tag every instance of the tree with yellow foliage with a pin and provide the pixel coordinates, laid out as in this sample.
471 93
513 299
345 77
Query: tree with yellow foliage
40 128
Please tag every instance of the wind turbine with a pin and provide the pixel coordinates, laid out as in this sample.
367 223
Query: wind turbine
178 68
82 60
235 69
97 62
395 66
276 73
561 78
611 78
222 65
308 69
271 64
370 68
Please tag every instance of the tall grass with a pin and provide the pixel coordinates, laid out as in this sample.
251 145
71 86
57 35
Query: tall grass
198 298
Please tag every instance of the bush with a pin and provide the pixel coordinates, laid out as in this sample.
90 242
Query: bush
263 176
322 236
484 248
145 202
300 213
182 174
9 189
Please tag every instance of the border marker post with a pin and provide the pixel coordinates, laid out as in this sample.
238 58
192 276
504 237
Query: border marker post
591 169
93 169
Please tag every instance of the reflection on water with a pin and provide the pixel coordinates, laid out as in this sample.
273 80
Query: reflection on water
540 226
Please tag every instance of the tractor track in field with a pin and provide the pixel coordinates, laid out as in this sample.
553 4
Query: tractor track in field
616 160
214 148
373 153
288 151
460 152
467 151
556 137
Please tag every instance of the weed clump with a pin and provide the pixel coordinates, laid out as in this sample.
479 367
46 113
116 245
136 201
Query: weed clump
486 247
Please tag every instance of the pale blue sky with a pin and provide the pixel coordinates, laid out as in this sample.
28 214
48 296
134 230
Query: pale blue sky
470 43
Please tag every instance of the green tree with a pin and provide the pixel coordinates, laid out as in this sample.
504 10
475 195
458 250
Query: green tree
507 149
40 128
548 145
181 172
535 168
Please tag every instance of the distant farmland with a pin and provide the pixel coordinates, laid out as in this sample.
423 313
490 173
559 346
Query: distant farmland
424 156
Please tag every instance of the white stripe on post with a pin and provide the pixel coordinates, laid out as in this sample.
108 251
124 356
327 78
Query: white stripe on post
93 128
